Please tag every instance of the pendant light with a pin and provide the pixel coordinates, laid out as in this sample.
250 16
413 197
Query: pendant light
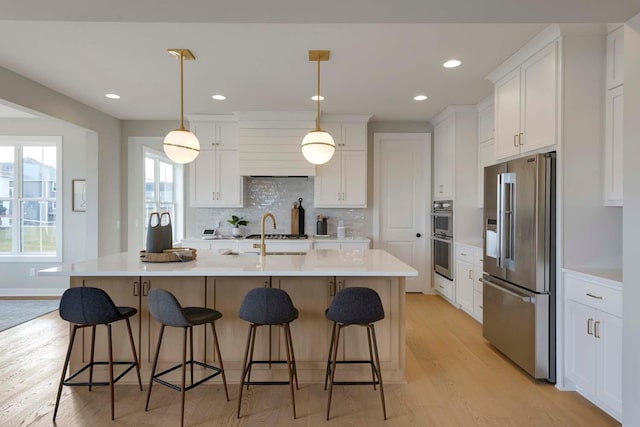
180 145
318 145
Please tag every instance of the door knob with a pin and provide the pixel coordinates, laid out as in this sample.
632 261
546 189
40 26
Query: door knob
418 235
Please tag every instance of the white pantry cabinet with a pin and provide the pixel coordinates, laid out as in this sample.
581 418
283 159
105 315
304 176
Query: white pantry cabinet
593 341
486 142
614 107
213 134
527 105
443 146
342 181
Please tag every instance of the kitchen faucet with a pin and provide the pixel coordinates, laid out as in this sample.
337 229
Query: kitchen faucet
261 245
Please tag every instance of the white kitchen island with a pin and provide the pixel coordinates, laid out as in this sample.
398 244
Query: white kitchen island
221 282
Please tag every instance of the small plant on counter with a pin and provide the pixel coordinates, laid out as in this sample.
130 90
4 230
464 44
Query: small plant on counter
236 222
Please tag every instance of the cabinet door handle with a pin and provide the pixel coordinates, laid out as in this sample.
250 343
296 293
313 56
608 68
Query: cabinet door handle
520 138
463 253
145 288
136 288
594 296
515 143
332 287
471 274
213 195
589 322
596 329
441 188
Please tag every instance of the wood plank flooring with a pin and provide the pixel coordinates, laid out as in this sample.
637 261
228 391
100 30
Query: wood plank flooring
454 378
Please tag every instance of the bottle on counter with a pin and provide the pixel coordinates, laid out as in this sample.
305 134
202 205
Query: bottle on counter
340 231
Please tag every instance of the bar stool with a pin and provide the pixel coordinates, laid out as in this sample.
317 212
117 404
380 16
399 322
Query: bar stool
88 307
272 307
166 310
355 306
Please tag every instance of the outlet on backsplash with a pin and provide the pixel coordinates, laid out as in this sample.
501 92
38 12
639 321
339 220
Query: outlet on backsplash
276 195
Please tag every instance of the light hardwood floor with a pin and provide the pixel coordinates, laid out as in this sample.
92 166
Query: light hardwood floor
454 379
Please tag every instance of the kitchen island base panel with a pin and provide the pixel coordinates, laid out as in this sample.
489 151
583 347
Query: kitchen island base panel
310 332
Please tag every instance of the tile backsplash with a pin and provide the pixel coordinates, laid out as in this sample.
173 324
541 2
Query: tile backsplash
277 195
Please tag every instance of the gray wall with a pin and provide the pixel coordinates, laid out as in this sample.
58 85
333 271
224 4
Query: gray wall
79 241
592 232
631 223
24 92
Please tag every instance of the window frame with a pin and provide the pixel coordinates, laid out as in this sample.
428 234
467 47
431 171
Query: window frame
19 142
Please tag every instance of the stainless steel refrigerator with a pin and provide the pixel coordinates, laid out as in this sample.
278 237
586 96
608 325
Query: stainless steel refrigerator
519 262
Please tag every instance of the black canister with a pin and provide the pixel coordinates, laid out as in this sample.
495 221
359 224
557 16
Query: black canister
300 217
321 225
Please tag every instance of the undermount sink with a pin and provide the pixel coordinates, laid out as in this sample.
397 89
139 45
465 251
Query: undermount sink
268 253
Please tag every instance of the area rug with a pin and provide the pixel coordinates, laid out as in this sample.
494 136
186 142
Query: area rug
14 312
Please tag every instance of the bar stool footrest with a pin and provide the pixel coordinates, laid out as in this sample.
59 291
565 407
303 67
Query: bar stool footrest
157 379
351 362
266 362
68 381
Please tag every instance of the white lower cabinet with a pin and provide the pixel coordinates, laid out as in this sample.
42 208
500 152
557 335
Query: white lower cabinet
444 287
593 342
467 275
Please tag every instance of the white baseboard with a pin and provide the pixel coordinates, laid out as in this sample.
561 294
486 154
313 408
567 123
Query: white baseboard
430 291
31 292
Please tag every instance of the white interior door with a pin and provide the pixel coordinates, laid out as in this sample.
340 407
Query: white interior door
402 193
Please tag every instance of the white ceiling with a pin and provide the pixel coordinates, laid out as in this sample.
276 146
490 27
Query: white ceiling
375 67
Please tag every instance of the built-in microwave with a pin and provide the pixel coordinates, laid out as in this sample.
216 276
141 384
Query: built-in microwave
443 218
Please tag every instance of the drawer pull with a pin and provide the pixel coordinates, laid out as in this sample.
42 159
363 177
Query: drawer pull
471 274
594 296
463 254
589 321
596 329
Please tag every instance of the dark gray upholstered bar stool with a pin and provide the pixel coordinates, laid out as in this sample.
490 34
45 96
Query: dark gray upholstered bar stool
88 307
271 307
166 310
355 306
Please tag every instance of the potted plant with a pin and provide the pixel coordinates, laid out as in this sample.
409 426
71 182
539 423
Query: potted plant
236 222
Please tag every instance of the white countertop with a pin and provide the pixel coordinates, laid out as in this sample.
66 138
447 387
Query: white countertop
320 262
607 274
312 239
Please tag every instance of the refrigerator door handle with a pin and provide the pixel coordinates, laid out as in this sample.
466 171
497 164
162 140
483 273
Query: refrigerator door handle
500 221
524 298
510 222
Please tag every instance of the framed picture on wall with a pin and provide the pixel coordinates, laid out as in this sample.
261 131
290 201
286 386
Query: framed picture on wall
79 195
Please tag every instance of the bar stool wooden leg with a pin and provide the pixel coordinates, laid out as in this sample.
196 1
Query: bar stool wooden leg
135 355
64 369
334 360
254 328
155 365
217 349
293 356
244 369
111 388
378 368
333 336
93 346
373 377
184 374
289 366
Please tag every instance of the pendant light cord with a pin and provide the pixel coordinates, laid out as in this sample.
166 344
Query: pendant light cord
181 92
318 95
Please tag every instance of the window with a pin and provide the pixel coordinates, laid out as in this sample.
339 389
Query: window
160 193
29 222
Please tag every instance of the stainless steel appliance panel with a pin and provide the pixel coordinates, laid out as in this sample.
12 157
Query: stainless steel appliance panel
443 256
516 322
490 261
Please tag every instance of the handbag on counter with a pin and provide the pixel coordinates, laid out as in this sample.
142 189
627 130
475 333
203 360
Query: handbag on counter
159 235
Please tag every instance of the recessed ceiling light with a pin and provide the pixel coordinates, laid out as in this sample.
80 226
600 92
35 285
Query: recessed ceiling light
420 97
315 97
112 96
452 63
219 97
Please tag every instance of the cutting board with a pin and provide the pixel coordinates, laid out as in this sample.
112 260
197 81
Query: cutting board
295 212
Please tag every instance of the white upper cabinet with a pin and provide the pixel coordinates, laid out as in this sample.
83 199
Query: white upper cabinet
214 176
486 142
443 145
527 105
342 181
216 134
614 107
615 58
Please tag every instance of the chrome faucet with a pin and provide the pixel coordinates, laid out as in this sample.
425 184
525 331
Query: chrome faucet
261 245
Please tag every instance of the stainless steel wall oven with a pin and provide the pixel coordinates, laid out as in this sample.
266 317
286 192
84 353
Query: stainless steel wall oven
443 238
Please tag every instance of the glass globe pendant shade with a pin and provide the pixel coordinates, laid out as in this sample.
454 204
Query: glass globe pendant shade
181 146
318 147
